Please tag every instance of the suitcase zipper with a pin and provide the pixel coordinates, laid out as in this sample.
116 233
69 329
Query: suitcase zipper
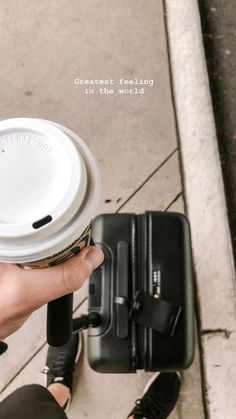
141 285
133 241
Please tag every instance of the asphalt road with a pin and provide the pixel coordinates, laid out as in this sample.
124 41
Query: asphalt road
219 33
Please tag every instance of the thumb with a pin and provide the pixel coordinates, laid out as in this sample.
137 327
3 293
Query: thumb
44 285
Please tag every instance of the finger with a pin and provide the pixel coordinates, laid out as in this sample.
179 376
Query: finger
43 285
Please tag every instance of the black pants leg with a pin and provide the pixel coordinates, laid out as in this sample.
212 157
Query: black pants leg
31 402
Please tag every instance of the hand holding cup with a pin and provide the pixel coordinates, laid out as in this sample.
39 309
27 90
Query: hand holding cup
24 291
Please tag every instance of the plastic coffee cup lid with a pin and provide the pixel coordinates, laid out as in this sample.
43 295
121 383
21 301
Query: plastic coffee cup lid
50 188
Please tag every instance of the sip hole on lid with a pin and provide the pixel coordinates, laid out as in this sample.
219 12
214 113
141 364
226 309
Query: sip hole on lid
42 222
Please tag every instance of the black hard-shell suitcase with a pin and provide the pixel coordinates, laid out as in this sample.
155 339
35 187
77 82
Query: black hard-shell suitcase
143 293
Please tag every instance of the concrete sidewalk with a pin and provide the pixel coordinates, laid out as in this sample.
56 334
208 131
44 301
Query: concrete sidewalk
134 138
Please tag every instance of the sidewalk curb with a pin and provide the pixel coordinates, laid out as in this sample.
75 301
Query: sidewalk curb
206 206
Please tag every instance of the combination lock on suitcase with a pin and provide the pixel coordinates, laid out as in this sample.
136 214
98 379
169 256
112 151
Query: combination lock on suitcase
142 293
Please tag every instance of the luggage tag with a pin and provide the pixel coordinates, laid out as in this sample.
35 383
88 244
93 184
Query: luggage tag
153 312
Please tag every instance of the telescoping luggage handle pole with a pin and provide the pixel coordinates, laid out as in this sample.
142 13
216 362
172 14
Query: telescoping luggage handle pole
59 320
60 324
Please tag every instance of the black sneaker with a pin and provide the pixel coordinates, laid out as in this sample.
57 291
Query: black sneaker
159 397
61 361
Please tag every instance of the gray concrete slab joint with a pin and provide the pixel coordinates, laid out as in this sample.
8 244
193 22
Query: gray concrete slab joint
148 178
206 205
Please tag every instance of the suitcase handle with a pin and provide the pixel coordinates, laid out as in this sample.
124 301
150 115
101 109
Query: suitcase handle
59 320
122 319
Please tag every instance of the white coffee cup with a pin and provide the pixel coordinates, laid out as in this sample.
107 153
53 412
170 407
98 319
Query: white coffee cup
49 192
